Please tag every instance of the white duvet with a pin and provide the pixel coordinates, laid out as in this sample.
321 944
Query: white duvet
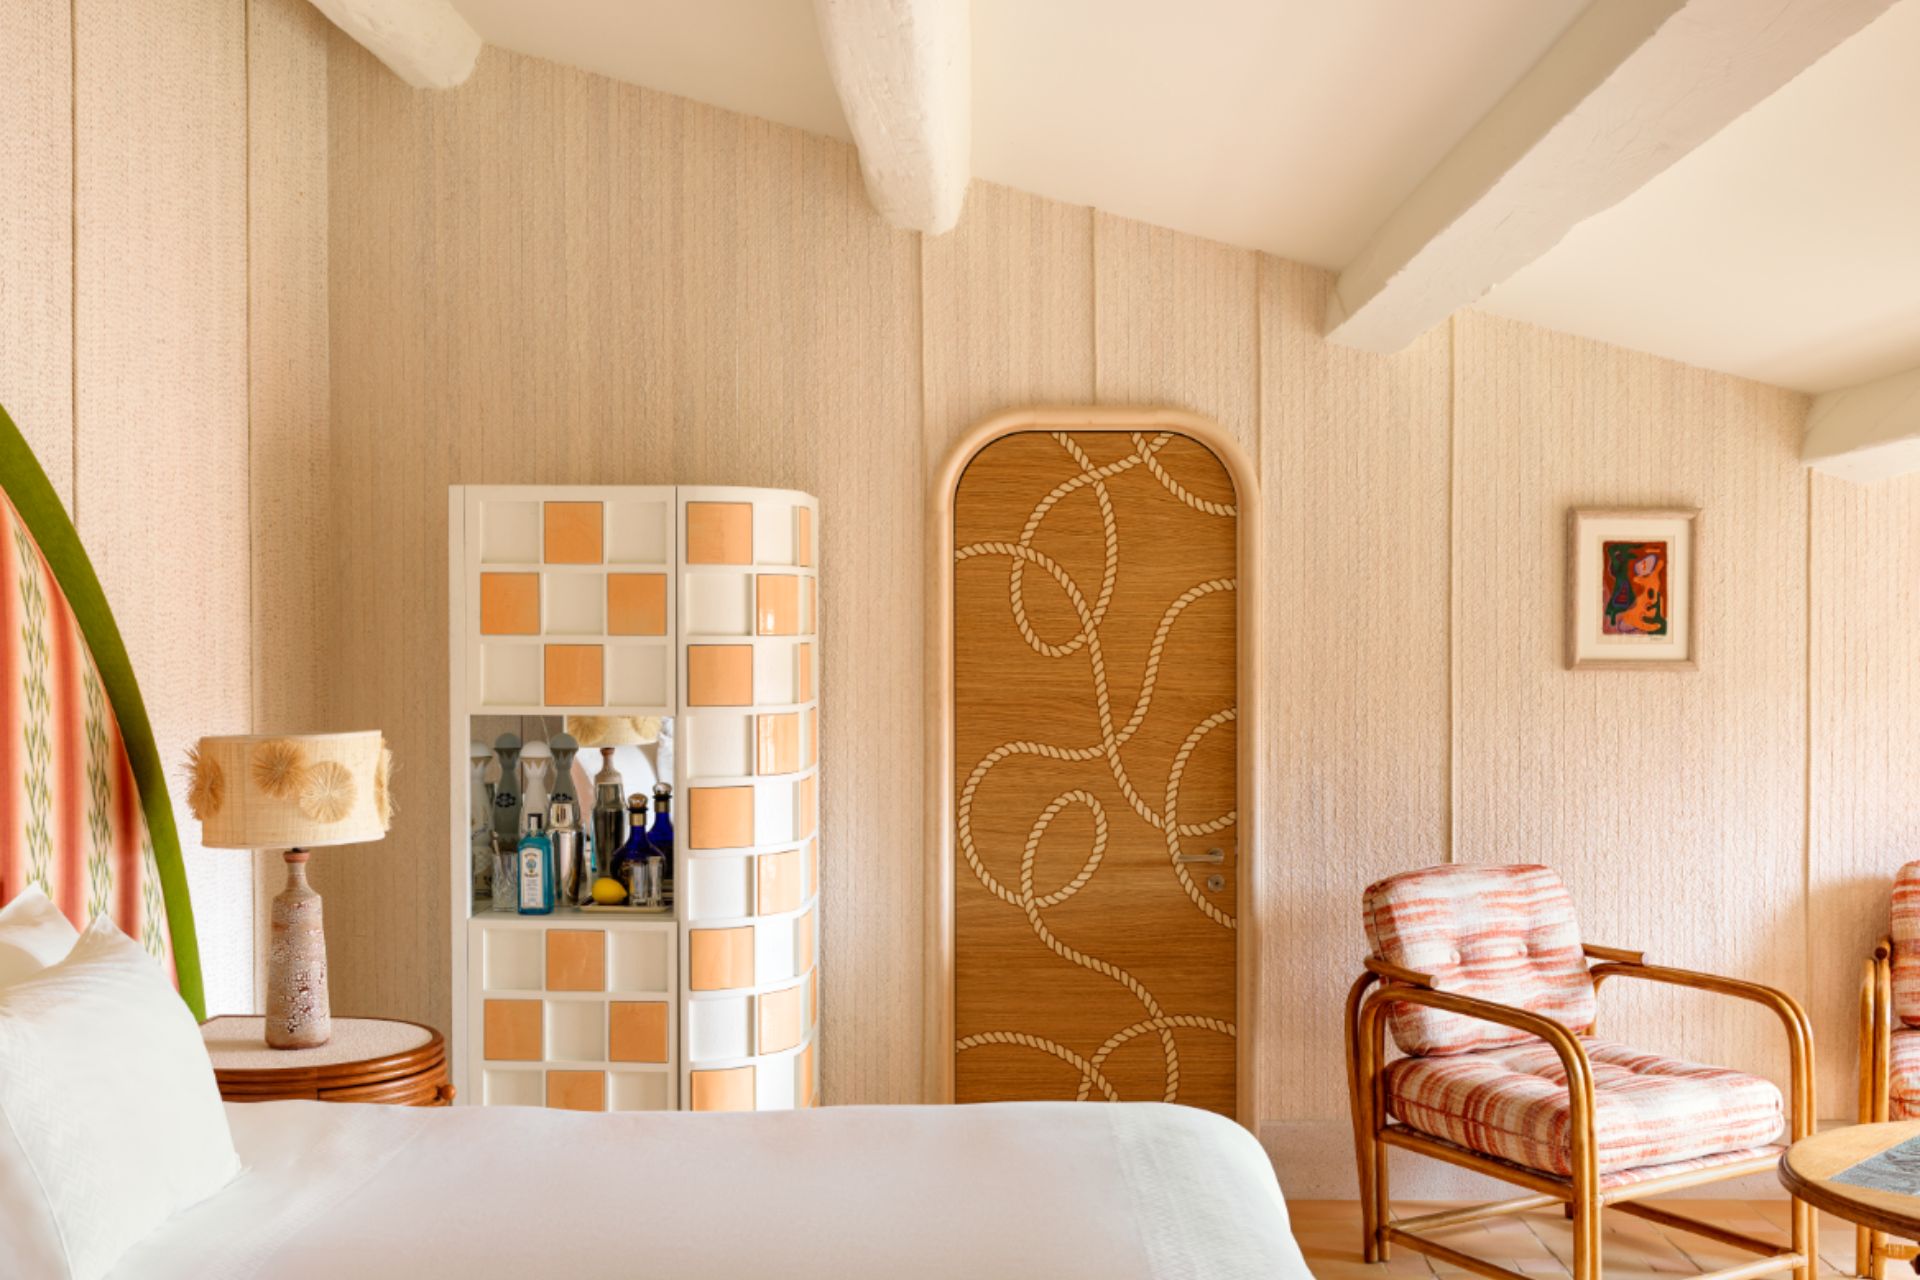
1053 1190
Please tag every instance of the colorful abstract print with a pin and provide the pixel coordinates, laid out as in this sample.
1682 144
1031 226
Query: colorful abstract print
1633 582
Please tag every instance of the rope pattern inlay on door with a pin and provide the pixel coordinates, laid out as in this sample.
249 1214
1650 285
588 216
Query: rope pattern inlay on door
1114 732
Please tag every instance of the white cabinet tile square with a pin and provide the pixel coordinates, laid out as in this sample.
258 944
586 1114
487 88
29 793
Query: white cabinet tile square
775 666
715 888
511 675
638 1091
641 960
512 959
772 531
719 1029
773 815
773 1087
773 951
719 604
514 1088
509 532
717 745
637 532
576 603
576 1031
639 675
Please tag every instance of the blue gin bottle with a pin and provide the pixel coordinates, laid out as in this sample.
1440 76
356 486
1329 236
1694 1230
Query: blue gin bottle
536 869
660 836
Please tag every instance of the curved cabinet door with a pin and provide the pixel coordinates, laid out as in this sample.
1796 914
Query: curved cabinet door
1096 755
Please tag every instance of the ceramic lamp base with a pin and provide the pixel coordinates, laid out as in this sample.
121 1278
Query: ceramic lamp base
297 1012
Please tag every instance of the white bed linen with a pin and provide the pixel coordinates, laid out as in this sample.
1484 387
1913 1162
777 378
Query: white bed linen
1054 1190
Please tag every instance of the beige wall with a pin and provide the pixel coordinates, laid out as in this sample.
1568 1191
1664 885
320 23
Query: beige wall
129 255
547 277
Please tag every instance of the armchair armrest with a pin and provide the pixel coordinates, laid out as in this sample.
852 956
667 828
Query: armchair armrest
1619 955
1876 1031
1793 1019
1398 973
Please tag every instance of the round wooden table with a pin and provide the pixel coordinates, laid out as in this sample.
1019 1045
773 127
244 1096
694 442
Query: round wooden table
366 1060
1812 1168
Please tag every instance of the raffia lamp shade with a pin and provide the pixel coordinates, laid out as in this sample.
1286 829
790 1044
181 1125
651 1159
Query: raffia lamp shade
292 792
614 731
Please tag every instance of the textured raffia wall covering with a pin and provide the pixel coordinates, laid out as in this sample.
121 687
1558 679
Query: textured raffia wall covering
136 342
549 277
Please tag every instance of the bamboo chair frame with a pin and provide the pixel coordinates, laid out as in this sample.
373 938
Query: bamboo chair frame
1872 1248
1582 1192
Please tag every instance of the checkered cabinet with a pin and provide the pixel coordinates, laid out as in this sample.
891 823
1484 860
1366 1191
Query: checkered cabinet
695 603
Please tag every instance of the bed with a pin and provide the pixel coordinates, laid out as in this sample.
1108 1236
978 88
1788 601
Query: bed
1058 1190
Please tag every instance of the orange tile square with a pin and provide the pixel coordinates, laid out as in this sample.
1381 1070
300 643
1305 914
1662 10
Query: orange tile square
780 1022
776 743
779 882
805 808
637 1031
719 533
719 817
813 866
509 604
726 1090
574 676
577 1090
576 960
803 538
776 609
719 675
636 604
573 533
515 1031
803 1091
810 607
720 959
803 682
813 736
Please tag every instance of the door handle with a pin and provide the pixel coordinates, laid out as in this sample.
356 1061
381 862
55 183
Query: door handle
1213 856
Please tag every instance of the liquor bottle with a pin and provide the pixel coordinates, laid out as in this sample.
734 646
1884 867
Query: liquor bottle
564 830
661 836
609 816
536 869
634 851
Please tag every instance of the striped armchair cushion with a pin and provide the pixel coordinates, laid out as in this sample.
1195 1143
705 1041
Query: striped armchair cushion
1906 944
1512 1104
1501 933
1903 1075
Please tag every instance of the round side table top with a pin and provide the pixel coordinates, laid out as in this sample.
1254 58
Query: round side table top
1865 1173
360 1049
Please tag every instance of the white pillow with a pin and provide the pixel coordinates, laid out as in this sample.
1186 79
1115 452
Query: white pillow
33 935
110 1121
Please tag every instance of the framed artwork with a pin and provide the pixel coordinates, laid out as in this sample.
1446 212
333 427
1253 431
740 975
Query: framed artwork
1632 589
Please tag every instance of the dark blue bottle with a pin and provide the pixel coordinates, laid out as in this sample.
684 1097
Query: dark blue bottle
661 836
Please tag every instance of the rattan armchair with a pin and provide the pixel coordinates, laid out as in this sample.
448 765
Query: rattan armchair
1500 1023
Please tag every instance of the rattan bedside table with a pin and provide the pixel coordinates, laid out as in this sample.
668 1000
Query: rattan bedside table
367 1060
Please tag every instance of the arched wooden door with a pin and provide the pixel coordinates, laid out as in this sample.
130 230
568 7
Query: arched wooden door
1096 753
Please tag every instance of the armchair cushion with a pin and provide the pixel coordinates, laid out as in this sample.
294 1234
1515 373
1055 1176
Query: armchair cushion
1501 933
1903 1075
1906 944
1512 1104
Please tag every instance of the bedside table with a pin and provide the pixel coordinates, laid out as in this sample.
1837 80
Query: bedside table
367 1060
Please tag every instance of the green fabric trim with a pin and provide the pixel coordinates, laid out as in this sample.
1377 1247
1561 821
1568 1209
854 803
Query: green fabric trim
34 498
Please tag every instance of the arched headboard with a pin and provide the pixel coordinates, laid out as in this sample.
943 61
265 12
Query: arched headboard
84 811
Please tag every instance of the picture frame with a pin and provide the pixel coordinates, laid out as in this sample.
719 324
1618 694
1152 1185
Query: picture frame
1633 589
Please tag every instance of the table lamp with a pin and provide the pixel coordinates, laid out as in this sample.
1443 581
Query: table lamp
294 792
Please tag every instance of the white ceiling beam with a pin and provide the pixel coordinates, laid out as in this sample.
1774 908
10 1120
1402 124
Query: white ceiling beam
1866 433
424 42
903 72
1628 89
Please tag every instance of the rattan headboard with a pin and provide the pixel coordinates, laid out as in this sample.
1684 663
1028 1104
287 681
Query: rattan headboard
84 811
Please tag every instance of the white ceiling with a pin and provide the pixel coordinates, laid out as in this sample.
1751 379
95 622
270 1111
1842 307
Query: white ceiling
1783 249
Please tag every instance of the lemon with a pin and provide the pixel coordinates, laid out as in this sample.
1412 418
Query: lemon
608 891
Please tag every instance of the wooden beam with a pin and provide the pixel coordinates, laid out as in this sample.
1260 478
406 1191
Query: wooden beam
903 71
1632 86
424 42
1866 433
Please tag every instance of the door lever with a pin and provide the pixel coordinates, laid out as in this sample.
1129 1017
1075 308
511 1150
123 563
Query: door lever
1213 856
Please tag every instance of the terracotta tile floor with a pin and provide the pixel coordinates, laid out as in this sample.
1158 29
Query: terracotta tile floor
1537 1243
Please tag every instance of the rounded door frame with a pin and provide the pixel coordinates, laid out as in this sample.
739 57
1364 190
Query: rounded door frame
938 1015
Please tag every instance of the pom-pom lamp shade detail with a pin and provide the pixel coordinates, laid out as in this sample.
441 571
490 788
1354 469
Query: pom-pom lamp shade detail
288 790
